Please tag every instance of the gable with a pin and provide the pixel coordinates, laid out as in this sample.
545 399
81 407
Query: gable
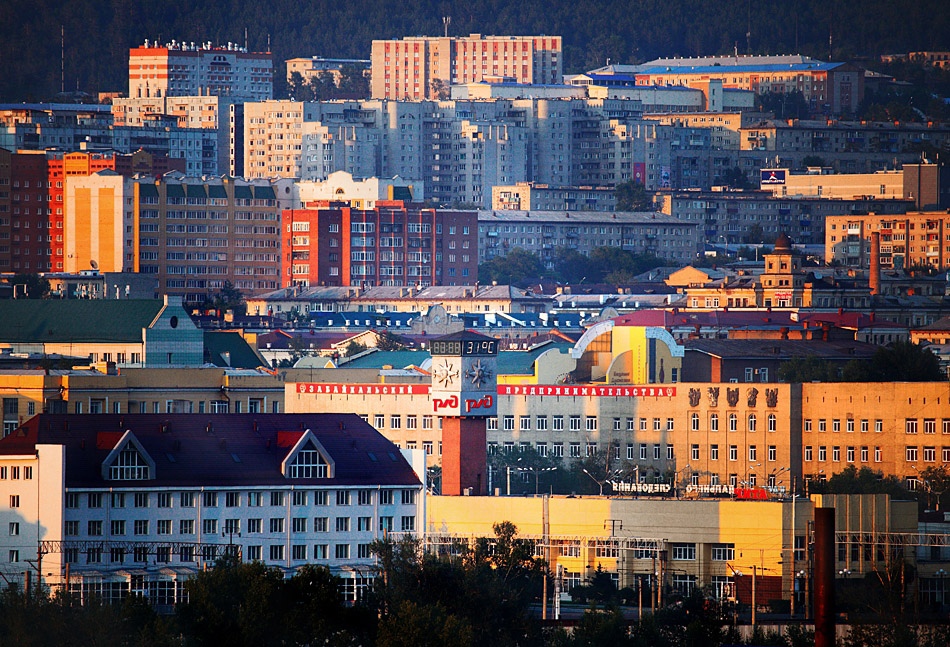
128 460
308 459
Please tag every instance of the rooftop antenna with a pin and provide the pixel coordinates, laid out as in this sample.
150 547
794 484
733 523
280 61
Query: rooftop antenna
748 31
62 59
245 39
446 21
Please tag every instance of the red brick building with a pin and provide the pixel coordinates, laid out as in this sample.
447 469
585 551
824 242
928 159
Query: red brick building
391 244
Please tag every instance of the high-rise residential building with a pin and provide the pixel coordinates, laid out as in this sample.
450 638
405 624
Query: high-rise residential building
918 239
459 149
99 223
195 234
27 223
390 244
424 67
189 69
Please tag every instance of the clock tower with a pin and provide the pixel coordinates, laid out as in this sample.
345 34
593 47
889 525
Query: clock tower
464 395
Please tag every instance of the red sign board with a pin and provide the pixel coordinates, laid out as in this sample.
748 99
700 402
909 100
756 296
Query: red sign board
752 493
539 390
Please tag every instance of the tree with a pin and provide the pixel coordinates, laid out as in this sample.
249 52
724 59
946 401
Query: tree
299 88
388 341
936 481
439 89
34 285
784 105
354 348
227 298
517 267
850 480
572 267
735 178
633 196
235 603
905 361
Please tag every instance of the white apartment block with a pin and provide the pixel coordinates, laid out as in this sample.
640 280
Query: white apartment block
415 68
460 149
187 69
136 504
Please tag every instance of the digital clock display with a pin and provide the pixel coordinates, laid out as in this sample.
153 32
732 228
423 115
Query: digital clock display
468 347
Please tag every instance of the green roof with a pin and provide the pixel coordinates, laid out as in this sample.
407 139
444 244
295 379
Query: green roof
264 193
174 191
242 192
76 320
521 362
394 358
148 190
231 344
195 191
217 191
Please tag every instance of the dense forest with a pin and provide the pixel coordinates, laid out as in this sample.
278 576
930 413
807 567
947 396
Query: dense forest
98 33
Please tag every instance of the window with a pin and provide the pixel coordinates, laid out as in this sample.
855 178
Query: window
232 499
864 426
878 426
694 452
72 500
164 526
277 552
321 524
751 422
209 500
808 453
557 450
714 422
850 425
186 527
298 524
541 423
254 553
298 552
117 527
822 453
910 425
930 454
364 524
575 423
850 454
807 424
409 523
129 465
94 499
910 454
822 425
187 500
694 422
524 423
277 499
379 421
878 456
723 552
276 524
733 452
408 497
836 426
558 423
643 451
342 551
773 453
140 527
773 422
118 499
385 524
714 452
342 524
141 500
835 453
733 422
669 422
164 500
864 454
94 528
684 552
591 423
395 422
930 426
71 528
308 464
209 526
752 453
364 497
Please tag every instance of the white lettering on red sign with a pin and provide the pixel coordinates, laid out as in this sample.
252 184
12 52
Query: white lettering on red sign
590 391
362 389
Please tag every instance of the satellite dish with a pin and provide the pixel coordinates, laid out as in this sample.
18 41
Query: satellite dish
94 264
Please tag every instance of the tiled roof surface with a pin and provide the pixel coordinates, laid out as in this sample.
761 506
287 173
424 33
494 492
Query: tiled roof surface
215 450
76 320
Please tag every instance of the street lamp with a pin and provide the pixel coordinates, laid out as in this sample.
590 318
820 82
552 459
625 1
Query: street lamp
537 472
599 483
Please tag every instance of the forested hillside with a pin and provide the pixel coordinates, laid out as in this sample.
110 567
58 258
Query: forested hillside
98 33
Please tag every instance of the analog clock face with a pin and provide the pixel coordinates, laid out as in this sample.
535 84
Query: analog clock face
446 373
478 373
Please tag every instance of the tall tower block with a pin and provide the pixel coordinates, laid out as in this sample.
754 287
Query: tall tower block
464 395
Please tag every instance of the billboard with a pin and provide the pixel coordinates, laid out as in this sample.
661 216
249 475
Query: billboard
772 176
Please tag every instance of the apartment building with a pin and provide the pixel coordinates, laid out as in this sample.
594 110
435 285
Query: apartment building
393 243
187 69
828 88
195 234
544 232
531 196
310 67
136 504
913 239
66 127
424 67
732 218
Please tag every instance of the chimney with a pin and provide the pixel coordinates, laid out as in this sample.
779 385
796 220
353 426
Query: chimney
874 277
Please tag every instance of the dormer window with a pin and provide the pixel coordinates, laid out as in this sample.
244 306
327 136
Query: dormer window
129 465
128 460
308 464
